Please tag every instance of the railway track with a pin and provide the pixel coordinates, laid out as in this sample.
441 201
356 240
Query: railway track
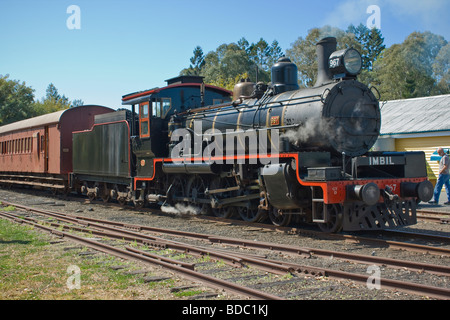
144 235
384 238
434 216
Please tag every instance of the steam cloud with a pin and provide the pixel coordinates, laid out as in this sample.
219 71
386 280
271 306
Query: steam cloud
319 131
180 209
313 130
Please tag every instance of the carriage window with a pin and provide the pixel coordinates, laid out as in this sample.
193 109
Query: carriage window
144 119
42 143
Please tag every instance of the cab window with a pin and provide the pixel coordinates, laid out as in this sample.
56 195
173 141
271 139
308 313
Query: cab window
144 120
156 109
166 105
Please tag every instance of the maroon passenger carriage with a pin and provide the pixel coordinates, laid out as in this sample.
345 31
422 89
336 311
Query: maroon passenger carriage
38 151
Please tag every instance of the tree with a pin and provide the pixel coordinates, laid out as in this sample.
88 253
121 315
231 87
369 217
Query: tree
244 45
441 69
303 54
77 103
225 64
275 53
408 70
258 53
303 51
371 41
16 100
373 47
229 63
262 55
197 63
52 102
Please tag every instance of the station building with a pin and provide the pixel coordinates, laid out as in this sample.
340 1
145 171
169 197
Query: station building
418 124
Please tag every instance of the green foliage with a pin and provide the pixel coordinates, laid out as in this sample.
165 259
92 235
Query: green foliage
16 100
441 69
416 68
52 102
8 208
225 66
197 63
303 52
371 42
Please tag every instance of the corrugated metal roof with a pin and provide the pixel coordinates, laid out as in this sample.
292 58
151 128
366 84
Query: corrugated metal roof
33 122
418 115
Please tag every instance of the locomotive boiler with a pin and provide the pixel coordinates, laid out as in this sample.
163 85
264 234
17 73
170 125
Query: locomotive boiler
336 116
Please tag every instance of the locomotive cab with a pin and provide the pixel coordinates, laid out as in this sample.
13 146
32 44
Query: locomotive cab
156 107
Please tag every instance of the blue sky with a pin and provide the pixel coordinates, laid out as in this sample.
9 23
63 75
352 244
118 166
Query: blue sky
127 46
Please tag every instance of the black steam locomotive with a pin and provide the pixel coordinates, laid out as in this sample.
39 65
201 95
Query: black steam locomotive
274 150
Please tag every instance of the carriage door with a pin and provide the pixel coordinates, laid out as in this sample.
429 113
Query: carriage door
144 120
45 146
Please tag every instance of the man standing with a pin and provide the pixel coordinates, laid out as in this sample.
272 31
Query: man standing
443 179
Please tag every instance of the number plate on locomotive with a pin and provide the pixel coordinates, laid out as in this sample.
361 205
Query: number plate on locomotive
275 121
381 160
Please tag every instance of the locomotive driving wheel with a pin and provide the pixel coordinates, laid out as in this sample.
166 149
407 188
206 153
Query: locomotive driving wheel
279 217
176 189
335 219
251 213
196 192
221 183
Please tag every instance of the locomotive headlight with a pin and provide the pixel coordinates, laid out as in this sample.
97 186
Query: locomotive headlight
346 62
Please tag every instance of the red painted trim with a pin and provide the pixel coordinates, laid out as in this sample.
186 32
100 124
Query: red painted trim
151 91
333 191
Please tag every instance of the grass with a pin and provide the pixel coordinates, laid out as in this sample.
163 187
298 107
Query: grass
188 293
8 208
32 268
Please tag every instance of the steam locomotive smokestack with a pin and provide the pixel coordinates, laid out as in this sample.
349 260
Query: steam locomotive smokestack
324 48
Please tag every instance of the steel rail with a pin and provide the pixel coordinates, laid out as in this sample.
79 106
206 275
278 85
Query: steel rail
358 239
436 216
436 292
234 259
128 235
127 254
434 219
416 266
100 233
441 293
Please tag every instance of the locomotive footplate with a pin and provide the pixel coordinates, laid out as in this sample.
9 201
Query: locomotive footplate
383 215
